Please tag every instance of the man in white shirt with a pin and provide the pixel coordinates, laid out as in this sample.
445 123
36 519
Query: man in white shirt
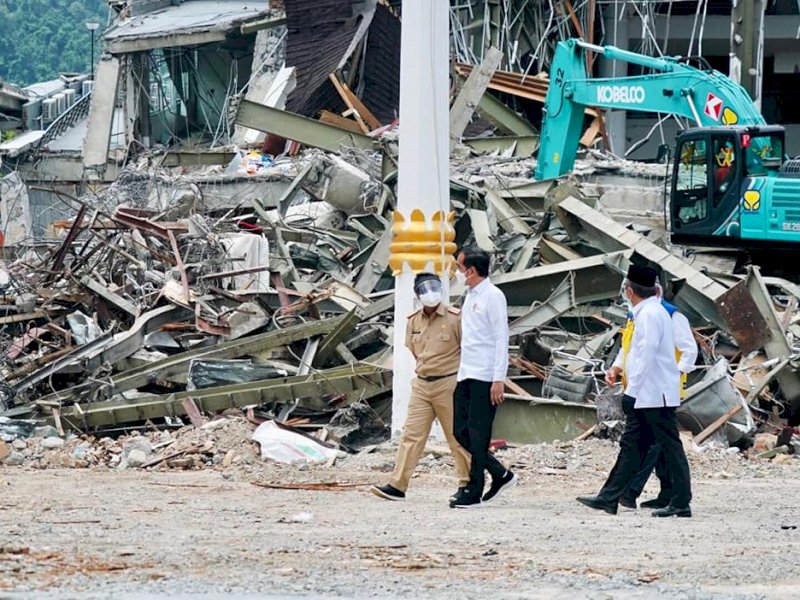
481 373
651 395
686 355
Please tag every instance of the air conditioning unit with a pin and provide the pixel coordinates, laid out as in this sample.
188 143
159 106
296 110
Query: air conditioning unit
49 111
61 102
87 87
70 97
31 113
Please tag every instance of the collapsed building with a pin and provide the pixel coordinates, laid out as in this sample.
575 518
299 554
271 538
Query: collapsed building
208 229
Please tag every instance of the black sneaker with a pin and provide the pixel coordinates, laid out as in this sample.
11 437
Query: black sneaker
388 492
507 481
460 492
465 501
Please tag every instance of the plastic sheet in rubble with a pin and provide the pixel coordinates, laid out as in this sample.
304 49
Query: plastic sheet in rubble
286 446
14 429
211 373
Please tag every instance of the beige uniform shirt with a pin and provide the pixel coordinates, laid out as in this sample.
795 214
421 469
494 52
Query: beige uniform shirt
435 341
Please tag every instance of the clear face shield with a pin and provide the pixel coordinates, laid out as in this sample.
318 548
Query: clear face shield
429 292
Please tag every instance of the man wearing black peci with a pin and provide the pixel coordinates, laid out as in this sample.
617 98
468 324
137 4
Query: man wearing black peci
651 395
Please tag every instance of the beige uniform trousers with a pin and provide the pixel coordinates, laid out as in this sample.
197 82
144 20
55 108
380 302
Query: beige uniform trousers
429 400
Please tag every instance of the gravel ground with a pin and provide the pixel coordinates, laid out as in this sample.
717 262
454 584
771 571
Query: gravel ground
211 533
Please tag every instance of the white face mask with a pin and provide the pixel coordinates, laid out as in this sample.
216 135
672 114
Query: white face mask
628 303
431 298
461 278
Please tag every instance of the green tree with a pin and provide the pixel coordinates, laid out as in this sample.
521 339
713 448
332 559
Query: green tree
41 38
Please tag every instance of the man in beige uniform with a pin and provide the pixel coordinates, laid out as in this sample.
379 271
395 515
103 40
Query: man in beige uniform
433 335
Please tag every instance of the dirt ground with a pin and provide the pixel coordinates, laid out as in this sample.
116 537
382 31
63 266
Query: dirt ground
102 533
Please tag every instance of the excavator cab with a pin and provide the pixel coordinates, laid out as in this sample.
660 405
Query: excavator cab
722 184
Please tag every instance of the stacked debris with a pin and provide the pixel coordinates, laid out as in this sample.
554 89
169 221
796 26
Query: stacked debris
251 273
156 310
156 305
150 306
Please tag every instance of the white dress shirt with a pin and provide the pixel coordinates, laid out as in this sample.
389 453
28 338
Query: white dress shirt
484 334
652 375
684 343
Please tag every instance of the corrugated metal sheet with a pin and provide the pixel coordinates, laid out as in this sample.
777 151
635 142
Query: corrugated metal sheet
382 66
319 32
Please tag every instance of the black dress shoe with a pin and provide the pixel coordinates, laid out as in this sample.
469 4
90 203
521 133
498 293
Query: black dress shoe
627 503
673 511
598 504
655 503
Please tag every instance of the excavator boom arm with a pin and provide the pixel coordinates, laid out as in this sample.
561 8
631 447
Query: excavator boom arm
708 98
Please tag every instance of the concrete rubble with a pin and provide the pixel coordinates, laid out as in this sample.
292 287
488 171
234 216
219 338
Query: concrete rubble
233 268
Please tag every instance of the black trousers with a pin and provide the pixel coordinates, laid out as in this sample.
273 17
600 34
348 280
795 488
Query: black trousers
644 428
473 415
653 460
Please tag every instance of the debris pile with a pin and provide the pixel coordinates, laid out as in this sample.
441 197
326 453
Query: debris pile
149 305
227 445
250 270
154 309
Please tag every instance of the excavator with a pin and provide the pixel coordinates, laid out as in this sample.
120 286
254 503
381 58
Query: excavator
732 185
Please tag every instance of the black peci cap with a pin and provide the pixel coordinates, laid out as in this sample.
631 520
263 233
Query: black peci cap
644 276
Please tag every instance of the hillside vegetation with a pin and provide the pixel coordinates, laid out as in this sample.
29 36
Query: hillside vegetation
41 38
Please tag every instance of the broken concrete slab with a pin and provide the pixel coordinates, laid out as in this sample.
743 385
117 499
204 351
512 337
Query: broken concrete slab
521 420
101 114
188 24
471 94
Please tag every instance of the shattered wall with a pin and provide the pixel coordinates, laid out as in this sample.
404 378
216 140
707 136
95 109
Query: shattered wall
15 211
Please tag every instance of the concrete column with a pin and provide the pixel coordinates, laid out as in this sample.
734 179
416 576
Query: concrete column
747 40
423 188
616 34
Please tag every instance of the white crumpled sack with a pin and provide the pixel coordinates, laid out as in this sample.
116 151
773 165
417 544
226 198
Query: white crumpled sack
285 446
